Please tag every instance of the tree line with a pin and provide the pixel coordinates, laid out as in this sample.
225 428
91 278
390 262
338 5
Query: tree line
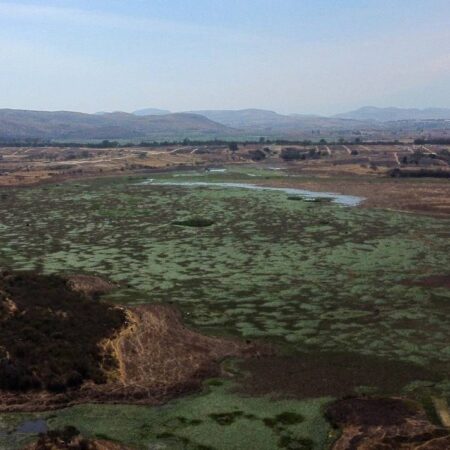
106 143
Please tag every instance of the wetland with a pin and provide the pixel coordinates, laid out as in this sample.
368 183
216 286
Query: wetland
340 291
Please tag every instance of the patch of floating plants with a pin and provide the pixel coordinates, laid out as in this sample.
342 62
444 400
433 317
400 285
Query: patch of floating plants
318 200
310 200
198 222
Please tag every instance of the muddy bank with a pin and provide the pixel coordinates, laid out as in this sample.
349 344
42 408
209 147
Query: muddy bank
327 374
429 197
432 281
70 438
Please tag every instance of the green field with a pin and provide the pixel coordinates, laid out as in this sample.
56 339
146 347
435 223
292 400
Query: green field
313 277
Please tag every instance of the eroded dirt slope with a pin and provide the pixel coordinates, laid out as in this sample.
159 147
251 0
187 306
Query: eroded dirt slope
150 358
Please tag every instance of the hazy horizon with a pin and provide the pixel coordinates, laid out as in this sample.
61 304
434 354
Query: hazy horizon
306 113
290 56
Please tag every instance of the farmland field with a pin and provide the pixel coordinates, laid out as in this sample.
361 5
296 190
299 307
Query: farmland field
333 287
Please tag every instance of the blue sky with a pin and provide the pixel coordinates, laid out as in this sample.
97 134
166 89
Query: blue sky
305 56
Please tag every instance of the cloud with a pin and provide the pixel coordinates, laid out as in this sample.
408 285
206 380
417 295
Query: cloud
76 16
103 19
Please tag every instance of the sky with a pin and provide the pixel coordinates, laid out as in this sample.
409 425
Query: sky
291 56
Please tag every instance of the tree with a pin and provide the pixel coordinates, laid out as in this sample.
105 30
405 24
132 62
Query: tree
233 147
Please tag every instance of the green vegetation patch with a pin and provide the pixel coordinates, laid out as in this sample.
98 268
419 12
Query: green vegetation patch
194 222
309 275
217 419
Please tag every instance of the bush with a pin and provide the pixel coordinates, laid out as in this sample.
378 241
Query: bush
256 155
194 222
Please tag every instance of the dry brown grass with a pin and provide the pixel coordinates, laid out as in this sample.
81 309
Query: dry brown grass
159 359
385 424
89 285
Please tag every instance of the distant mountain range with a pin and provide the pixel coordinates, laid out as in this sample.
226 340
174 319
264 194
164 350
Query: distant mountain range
372 113
159 124
64 125
264 121
151 112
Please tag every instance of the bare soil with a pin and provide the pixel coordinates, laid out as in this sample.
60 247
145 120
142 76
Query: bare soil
317 374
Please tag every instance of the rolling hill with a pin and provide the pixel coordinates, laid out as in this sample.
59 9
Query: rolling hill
211 124
372 113
65 125
264 122
151 112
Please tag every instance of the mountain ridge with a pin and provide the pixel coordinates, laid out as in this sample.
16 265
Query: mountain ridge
391 114
28 124
19 124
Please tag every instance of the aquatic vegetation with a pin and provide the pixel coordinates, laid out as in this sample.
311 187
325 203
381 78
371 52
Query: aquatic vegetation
315 276
198 222
310 276
216 419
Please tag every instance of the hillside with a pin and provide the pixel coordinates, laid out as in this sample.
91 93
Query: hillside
369 113
211 124
244 118
259 121
151 112
23 124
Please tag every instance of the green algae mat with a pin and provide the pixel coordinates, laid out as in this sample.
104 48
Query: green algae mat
313 277
217 419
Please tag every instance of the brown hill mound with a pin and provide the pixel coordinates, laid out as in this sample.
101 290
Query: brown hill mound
136 355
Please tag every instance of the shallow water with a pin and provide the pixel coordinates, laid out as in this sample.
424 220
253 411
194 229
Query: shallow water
32 426
16 436
345 200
